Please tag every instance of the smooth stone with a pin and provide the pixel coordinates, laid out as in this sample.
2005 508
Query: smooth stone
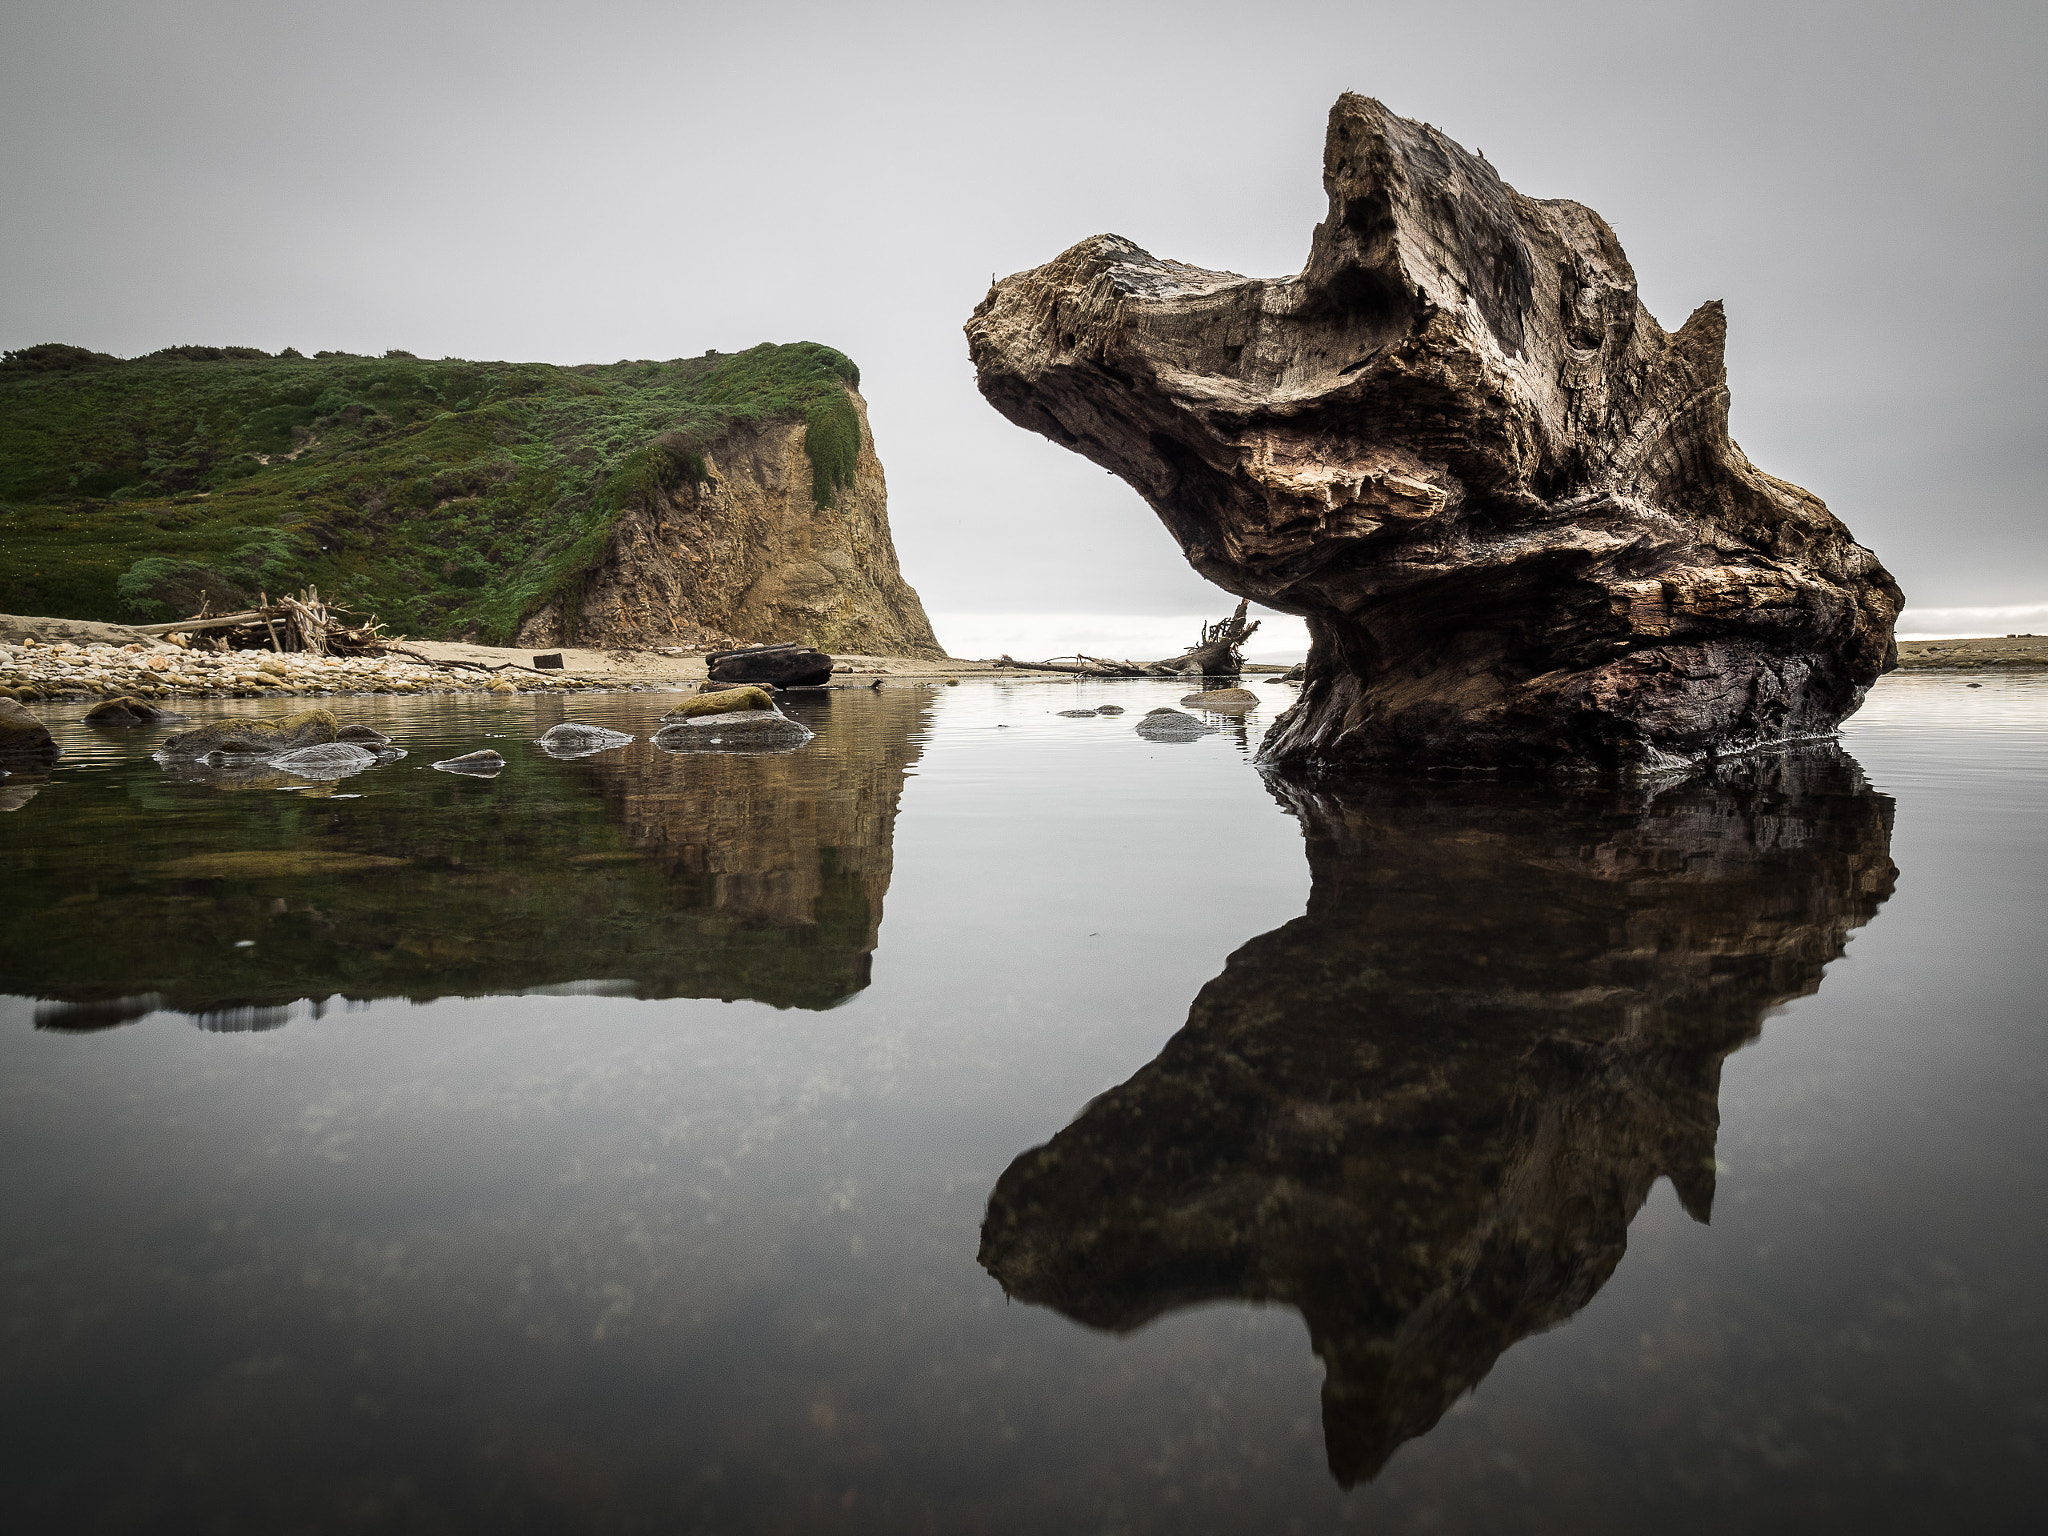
361 734
1172 725
24 738
576 740
124 709
1109 709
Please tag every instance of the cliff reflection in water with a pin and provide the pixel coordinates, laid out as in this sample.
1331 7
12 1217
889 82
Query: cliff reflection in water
1425 1112
635 871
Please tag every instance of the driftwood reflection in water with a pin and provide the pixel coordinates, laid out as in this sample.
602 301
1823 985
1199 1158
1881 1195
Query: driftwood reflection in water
1425 1112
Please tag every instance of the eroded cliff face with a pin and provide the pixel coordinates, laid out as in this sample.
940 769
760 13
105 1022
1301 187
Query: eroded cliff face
1502 494
1425 1112
745 555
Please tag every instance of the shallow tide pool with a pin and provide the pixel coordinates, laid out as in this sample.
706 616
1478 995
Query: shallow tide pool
982 1119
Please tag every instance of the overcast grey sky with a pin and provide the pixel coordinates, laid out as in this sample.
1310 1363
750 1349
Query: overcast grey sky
1863 184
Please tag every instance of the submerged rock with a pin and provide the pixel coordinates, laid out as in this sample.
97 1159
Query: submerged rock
1171 725
748 730
1077 714
721 701
1109 709
577 740
126 711
362 735
1501 493
251 736
329 760
24 738
1224 701
19 787
477 765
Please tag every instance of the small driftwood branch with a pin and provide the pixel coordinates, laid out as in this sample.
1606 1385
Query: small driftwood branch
450 663
1081 666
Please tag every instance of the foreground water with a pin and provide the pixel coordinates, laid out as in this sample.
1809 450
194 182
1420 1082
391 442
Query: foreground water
984 1120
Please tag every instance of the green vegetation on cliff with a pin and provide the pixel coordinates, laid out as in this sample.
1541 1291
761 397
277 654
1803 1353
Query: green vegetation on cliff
450 498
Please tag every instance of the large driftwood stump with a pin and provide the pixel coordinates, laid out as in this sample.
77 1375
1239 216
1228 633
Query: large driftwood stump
1503 496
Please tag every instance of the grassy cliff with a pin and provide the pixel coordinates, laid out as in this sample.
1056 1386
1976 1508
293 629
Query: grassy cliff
451 498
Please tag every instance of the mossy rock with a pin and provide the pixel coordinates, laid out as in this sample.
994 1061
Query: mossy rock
724 702
256 737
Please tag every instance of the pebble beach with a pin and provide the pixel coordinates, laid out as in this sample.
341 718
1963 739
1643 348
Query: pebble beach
31 670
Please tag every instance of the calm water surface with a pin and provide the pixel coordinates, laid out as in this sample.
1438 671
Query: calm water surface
982 1120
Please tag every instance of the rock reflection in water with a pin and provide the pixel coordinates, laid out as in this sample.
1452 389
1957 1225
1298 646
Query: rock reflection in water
1425 1112
636 872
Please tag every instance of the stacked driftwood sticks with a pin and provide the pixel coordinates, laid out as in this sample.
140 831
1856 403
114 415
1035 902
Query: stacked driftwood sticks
309 625
302 623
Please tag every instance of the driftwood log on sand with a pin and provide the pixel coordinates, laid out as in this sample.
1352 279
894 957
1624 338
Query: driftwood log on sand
1216 655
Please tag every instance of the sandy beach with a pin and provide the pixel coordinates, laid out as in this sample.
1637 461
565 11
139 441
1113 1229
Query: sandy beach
72 658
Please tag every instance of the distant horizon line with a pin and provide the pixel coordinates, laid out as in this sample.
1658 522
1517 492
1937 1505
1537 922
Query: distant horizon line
1287 635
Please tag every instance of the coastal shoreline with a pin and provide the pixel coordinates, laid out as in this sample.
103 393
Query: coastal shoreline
52 659
2013 652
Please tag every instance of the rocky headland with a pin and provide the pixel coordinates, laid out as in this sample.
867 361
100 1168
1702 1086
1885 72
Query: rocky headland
1504 497
694 502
